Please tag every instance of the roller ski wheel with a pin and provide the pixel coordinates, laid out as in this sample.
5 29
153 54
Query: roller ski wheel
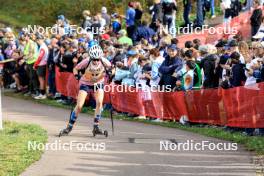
97 131
64 132
106 133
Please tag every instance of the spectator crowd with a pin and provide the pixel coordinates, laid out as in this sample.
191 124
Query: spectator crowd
142 54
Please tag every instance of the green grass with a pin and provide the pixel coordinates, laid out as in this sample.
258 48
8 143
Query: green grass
255 143
14 153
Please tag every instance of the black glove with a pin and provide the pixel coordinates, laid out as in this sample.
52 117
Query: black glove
77 77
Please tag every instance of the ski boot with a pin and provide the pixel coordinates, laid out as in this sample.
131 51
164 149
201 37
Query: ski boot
97 131
65 132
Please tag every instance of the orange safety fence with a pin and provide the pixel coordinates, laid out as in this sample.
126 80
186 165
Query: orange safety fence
236 107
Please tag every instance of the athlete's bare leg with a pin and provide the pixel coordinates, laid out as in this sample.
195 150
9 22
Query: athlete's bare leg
78 108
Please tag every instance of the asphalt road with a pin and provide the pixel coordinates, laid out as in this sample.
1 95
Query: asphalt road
134 150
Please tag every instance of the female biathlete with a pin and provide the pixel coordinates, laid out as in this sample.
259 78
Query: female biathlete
92 80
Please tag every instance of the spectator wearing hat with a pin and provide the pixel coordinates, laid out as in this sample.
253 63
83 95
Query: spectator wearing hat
171 64
131 64
116 24
256 18
123 39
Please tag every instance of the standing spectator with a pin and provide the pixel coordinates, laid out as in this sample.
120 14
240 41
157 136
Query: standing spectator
141 77
53 55
196 43
130 19
186 76
236 7
30 56
105 16
2 40
139 13
169 9
226 8
40 66
208 64
254 65
171 64
156 60
260 33
132 64
63 23
157 13
203 52
212 7
87 20
19 74
244 52
101 21
249 4
200 14
238 75
197 74
256 18
116 24
123 39
187 4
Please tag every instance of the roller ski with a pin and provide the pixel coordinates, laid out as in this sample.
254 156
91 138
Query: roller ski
97 131
65 132
68 129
